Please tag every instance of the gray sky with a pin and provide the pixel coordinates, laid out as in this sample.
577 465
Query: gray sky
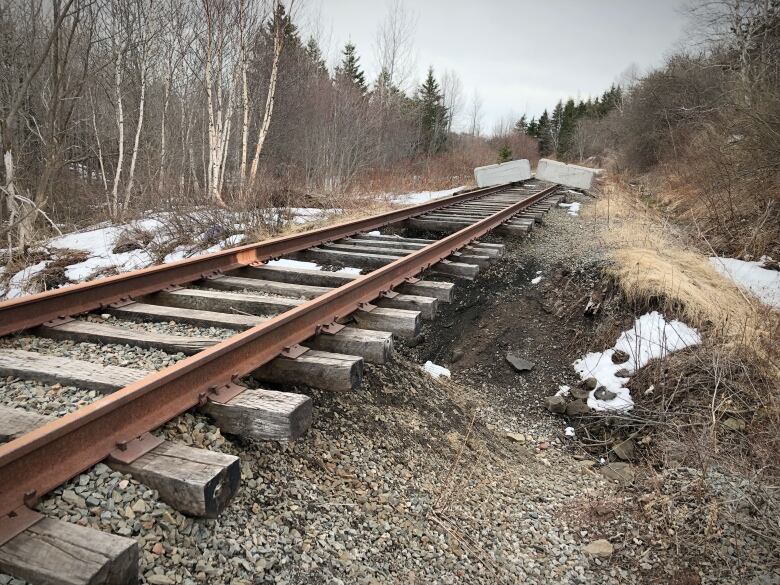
520 55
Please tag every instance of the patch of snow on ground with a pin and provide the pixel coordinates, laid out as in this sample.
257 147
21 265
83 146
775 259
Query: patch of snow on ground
423 196
651 337
563 390
573 208
569 432
763 283
435 370
17 285
374 233
301 264
536 280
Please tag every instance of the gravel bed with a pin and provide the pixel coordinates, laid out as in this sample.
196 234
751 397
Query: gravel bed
48 399
107 355
166 327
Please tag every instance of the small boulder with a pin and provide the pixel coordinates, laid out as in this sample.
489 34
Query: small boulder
590 383
520 364
602 393
618 472
457 355
579 392
625 450
577 408
620 357
516 437
623 373
555 404
601 548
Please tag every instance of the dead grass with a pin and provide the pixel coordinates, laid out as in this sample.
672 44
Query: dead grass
734 374
655 261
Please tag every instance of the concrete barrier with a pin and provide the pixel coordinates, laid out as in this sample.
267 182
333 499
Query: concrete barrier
508 172
573 176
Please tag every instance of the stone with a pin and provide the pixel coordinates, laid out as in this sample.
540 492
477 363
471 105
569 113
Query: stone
72 498
620 357
624 450
601 548
731 423
457 355
590 383
601 393
555 404
519 363
577 408
623 373
498 174
579 392
516 437
622 472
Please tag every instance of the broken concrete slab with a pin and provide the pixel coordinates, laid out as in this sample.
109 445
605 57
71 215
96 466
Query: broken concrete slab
573 176
499 174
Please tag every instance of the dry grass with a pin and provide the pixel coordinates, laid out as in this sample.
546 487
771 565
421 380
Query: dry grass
654 261
735 372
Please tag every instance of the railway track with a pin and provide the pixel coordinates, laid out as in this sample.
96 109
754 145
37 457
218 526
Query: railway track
284 324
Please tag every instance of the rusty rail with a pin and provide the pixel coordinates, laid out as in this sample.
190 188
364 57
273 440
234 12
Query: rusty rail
43 459
30 311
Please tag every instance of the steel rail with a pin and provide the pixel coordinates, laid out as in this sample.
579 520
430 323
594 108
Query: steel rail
39 461
33 310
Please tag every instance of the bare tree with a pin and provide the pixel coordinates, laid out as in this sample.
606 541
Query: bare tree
395 44
280 23
452 90
475 114
18 204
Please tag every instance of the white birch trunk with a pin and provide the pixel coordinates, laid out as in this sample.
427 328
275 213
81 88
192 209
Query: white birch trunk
114 208
269 101
134 157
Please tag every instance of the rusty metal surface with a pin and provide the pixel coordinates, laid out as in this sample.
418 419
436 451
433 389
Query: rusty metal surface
32 310
43 459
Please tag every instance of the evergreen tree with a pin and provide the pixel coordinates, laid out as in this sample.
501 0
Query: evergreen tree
543 133
433 115
533 128
504 154
314 55
349 70
521 127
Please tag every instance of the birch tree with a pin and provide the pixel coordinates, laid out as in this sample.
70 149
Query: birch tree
281 20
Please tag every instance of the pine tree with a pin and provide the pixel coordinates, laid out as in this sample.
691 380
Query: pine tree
433 115
543 133
521 127
504 154
349 70
314 54
533 128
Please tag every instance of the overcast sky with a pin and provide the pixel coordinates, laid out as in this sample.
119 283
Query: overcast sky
522 56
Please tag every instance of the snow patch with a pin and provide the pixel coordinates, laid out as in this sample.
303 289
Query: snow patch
19 282
573 208
763 283
536 280
569 432
435 370
423 196
563 390
301 264
651 337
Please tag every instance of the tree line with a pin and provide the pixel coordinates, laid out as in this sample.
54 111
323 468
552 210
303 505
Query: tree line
108 107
